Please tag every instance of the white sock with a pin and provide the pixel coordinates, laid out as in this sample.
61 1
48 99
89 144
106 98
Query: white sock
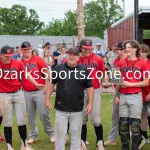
82 143
23 143
8 145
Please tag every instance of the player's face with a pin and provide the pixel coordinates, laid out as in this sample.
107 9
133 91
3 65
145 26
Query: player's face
85 52
129 50
27 53
6 59
117 51
143 55
72 59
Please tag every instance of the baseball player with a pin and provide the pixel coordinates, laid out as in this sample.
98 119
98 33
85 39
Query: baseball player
2 139
144 51
34 97
11 96
115 109
69 99
95 64
130 102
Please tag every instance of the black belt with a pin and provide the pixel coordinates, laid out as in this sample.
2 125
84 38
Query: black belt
130 93
11 91
32 90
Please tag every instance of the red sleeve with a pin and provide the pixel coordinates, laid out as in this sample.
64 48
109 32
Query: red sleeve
145 70
21 69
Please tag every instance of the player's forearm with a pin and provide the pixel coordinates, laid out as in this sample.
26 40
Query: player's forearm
49 90
117 91
47 76
32 80
90 92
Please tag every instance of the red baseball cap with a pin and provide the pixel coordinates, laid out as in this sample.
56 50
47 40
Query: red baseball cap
86 43
7 51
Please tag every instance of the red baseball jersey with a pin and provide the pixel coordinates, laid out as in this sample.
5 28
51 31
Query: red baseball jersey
132 71
116 62
146 90
10 75
35 65
96 63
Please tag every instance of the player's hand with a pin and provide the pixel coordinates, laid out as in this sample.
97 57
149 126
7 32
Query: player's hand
106 85
148 98
127 84
88 109
48 105
117 100
44 90
41 86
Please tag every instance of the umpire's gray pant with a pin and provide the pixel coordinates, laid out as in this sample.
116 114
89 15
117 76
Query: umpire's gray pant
61 125
36 99
115 119
96 110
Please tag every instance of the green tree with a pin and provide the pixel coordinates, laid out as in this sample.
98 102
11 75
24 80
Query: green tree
54 27
16 21
99 15
66 26
70 23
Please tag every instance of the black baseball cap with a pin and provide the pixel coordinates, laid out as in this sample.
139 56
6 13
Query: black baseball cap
73 50
7 51
47 43
119 46
25 45
86 43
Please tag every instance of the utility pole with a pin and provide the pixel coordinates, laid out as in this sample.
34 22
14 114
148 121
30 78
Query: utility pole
136 20
80 19
123 7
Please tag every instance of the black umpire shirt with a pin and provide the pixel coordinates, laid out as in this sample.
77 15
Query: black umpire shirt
71 83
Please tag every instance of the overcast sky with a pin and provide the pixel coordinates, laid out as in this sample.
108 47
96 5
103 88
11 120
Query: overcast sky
48 9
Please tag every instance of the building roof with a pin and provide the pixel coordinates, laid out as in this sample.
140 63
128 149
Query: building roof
142 10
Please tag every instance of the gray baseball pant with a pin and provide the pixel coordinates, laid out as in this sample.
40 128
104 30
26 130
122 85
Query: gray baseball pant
95 114
149 110
36 99
115 121
61 125
10 101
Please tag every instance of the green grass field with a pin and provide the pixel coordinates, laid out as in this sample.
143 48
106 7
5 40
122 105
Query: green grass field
43 140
